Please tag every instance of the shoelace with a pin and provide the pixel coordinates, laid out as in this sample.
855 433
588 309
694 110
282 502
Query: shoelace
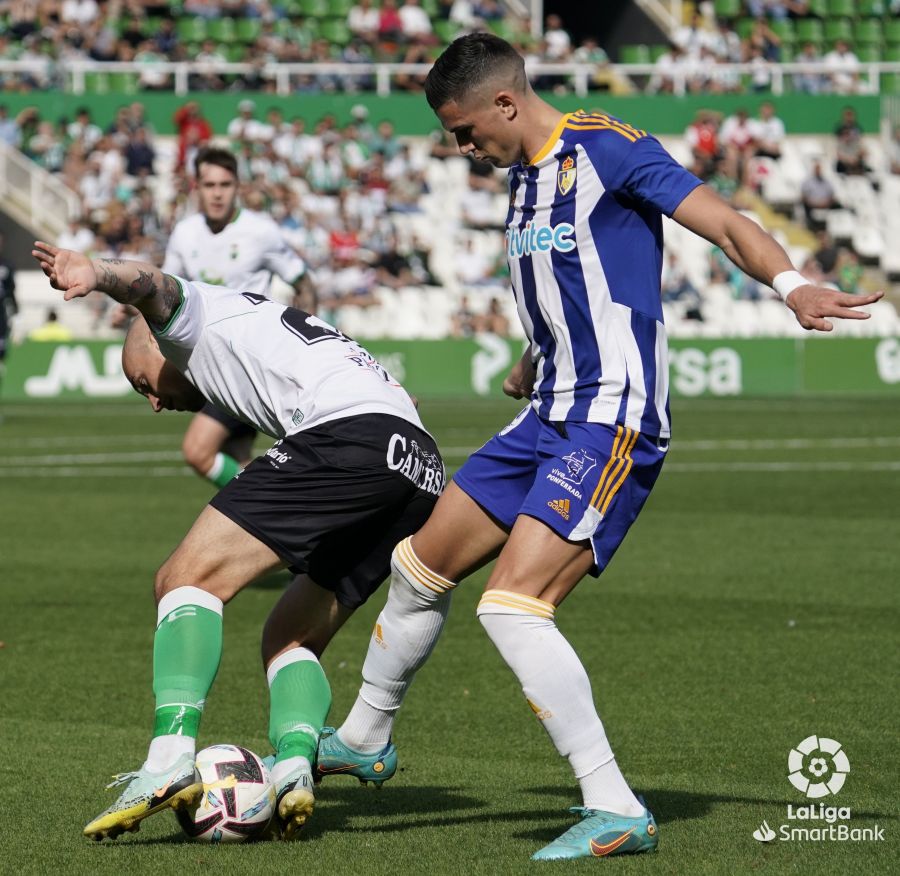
122 779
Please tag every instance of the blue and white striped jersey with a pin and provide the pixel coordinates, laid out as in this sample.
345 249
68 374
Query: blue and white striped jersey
584 243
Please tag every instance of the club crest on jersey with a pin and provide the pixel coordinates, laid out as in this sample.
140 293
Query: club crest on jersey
566 176
579 464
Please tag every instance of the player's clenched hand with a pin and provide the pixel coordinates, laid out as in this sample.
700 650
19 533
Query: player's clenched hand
812 304
70 272
519 383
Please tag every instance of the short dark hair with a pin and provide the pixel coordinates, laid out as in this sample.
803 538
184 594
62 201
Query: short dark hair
467 63
219 157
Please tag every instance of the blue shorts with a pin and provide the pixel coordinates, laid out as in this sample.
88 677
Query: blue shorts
586 481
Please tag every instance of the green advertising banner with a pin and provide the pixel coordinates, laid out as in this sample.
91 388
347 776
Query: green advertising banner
476 367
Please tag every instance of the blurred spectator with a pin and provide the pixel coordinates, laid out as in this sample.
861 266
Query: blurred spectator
51 330
665 70
851 153
78 237
79 12
390 24
165 40
849 272
725 43
494 321
893 151
765 39
557 41
675 283
818 197
703 138
152 79
193 131
392 268
768 131
385 140
739 141
363 19
9 128
464 323
844 68
139 155
723 270
416 24
809 83
8 305
473 268
761 70
244 126
826 255
693 37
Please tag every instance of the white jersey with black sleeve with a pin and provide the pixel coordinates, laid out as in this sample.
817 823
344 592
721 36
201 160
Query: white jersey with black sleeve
243 255
275 367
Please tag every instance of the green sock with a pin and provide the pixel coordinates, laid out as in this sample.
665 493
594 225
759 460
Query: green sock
223 470
300 698
186 652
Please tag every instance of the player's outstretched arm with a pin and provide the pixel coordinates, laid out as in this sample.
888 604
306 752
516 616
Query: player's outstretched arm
758 254
155 294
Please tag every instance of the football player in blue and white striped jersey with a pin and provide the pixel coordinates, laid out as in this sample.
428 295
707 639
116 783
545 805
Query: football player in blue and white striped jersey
554 493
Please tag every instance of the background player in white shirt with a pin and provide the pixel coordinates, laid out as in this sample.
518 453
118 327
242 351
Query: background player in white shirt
555 492
226 245
353 472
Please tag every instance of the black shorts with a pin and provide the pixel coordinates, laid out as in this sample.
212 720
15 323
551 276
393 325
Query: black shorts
334 500
236 428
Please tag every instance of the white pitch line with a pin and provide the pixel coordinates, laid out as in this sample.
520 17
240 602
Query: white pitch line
77 471
92 458
90 440
701 467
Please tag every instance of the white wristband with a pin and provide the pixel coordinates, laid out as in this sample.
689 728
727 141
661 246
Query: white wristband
785 283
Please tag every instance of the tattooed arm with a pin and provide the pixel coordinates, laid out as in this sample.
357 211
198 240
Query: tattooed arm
155 294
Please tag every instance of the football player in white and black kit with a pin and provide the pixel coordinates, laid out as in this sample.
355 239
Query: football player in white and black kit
352 473
226 245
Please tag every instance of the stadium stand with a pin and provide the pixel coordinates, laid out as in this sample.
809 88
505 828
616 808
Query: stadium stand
403 234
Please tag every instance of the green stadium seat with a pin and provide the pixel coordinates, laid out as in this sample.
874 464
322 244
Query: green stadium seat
743 26
314 8
838 29
96 83
656 51
150 27
727 8
247 30
842 8
235 53
432 7
308 31
336 31
870 8
446 31
191 30
293 8
784 29
819 8
867 32
339 8
634 54
503 29
892 31
284 28
891 53
890 83
810 30
124 83
787 53
222 30
868 54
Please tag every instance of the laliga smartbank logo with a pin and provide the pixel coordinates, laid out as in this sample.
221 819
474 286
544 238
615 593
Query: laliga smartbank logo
818 767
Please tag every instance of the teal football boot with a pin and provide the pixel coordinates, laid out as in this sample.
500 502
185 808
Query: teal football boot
335 758
601 834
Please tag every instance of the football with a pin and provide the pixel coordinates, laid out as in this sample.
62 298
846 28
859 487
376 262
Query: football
238 796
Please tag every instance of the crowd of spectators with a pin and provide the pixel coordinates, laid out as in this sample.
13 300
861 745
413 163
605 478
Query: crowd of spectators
335 190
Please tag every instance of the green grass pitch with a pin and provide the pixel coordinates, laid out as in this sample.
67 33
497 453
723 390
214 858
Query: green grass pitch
754 603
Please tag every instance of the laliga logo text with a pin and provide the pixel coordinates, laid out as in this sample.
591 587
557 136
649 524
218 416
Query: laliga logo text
818 767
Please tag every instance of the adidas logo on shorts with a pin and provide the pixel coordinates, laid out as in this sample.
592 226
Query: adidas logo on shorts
560 506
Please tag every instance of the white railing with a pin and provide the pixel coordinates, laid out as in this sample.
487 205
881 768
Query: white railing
73 74
33 196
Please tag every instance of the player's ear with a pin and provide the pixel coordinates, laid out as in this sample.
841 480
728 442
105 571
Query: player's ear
506 103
